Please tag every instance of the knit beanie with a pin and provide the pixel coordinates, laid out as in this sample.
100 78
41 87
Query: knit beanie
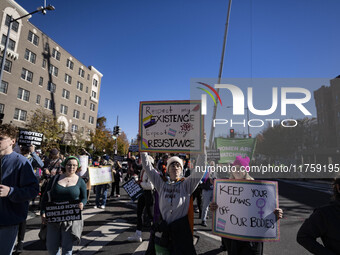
241 161
174 159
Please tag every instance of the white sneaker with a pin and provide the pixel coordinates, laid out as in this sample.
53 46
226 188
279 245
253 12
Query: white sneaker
95 207
102 206
137 237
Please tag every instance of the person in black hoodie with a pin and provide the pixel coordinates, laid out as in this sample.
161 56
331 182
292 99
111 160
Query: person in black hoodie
324 222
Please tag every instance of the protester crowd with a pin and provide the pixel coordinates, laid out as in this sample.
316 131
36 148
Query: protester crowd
165 208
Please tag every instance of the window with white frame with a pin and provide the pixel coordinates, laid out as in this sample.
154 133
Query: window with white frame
37 101
81 73
20 114
30 56
69 64
77 100
91 120
51 87
68 78
48 104
74 128
94 94
23 94
44 63
47 46
2 108
76 114
3 87
41 81
11 43
66 94
63 109
95 83
27 75
92 107
15 24
53 70
33 38
56 54
8 65
80 86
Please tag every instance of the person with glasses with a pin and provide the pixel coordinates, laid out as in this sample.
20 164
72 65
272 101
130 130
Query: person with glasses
174 202
18 185
67 186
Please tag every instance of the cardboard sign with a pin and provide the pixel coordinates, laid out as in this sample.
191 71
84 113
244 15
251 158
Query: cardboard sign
246 210
171 126
134 148
84 162
100 175
63 211
230 148
133 189
30 138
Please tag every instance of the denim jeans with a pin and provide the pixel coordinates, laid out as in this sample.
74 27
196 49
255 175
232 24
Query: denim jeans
57 237
8 234
207 198
101 193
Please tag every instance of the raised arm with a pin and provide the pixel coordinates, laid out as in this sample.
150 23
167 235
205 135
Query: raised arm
152 173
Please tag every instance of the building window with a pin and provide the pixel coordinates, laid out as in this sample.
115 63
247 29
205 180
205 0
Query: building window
85 102
87 89
41 81
23 94
56 54
63 109
27 75
92 107
30 56
53 70
44 63
76 114
11 43
51 87
88 76
3 87
74 128
95 83
84 116
66 94
77 100
68 79
91 120
15 24
81 73
33 38
20 114
94 94
79 86
69 64
48 104
8 65
2 108
47 46
38 99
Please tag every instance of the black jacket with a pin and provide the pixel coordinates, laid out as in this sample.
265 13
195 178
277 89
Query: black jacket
324 223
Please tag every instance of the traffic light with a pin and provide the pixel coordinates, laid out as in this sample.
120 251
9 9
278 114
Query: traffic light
117 130
249 135
232 133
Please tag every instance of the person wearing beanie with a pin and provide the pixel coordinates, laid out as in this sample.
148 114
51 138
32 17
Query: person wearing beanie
240 171
174 200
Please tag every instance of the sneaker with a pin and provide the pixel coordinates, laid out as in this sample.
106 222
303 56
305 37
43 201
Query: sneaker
95 207
117 195
102 206
204 224
137 237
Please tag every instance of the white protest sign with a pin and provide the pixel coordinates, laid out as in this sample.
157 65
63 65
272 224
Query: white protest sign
84 162
246 210
171 126
100 175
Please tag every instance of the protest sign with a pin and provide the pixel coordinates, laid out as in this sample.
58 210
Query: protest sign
213 155
100 175
230 148
246 210
171 126
30 138
133 189
84 162
63 211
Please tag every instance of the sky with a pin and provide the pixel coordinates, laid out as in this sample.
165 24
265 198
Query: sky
150 49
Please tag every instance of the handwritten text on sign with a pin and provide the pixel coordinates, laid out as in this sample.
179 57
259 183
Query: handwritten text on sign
100 175
63 211
246 210
171 126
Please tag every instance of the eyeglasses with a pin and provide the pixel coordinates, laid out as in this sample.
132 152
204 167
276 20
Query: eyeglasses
70 165
176 164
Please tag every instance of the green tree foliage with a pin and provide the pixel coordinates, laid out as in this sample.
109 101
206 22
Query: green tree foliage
123 144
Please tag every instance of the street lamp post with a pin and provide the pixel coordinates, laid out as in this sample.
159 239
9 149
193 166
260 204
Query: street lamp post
40 9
